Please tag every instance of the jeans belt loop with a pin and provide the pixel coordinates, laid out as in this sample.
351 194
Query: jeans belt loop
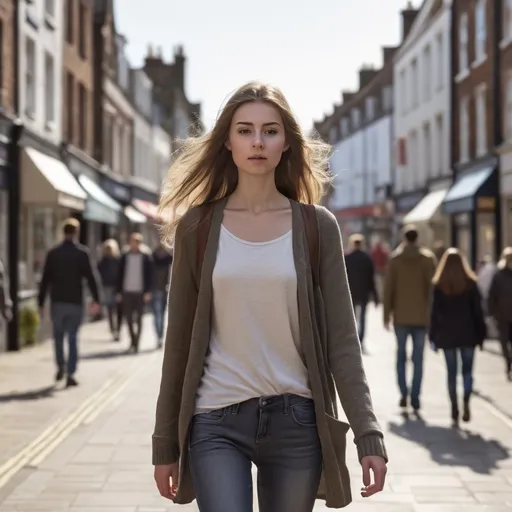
286 400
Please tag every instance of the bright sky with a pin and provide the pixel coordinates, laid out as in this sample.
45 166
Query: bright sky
311 50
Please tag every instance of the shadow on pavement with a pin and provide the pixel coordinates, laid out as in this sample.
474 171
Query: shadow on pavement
36 394
123 352
450 446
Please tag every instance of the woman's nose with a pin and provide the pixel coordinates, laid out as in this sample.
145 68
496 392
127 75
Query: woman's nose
257 142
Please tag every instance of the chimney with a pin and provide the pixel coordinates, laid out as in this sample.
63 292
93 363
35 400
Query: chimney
408 16
388 53
346 96
366 75
179 67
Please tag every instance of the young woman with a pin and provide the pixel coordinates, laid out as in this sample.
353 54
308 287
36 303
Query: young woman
457 323
251 342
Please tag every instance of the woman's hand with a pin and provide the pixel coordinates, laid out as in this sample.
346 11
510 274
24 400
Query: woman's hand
378 466
166 478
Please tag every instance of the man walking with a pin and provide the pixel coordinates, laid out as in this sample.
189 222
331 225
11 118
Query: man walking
162 260
66 266
134 286
407 291
361 279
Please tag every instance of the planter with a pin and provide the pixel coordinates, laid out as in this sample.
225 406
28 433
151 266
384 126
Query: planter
29 325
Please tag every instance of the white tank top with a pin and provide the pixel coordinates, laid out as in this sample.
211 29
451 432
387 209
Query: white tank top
254 345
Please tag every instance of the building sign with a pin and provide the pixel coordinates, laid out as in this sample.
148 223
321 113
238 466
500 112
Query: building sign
117 190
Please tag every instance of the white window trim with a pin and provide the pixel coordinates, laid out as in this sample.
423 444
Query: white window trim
463 23
481 124
480 58
464 107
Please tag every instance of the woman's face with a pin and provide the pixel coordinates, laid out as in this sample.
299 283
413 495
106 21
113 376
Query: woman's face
257 138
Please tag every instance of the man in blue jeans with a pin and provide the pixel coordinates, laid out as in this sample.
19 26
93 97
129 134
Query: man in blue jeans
406 301
66 266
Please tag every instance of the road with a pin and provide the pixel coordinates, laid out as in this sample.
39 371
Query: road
88 449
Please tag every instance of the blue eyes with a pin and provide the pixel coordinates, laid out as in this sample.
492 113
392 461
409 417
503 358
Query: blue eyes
245 131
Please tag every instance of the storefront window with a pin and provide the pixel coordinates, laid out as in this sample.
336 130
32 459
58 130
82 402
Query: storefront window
463 234
485 223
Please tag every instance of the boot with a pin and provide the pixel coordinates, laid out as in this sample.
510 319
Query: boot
455 413
466 415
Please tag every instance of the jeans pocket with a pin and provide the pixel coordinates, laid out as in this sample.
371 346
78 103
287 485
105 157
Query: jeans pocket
303 414
211 417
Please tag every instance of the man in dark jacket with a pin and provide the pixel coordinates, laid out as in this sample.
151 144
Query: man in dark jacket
5 299
66 266
134 286
361 279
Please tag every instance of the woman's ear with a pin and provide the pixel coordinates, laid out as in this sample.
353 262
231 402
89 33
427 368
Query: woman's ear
286 147
228 145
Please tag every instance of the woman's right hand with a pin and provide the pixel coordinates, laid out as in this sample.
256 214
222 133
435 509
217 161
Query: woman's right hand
166 478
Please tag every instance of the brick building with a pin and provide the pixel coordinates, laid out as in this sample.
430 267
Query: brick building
7 57
473 200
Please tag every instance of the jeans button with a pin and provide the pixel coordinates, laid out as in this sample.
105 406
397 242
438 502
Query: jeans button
264 402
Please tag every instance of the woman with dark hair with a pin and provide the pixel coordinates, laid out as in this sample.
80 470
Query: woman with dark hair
457 323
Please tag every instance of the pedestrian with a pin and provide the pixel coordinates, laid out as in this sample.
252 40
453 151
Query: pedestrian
457 323
162 261
5 298
250 345
135 280
66 266
407 294
380 257
108 268
500 306
361 278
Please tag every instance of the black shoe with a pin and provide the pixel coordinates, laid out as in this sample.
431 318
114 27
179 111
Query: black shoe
403 402
466 414
415 404
71 382
60 375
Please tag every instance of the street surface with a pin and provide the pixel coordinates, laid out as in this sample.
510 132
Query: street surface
89 449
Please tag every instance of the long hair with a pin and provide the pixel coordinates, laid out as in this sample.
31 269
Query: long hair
112 246
453 274
204 171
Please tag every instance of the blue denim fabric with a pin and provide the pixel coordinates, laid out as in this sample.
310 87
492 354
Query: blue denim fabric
452 363
66 319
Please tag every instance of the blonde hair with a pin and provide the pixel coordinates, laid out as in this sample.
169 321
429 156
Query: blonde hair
506 258
453 274
111 245
204 171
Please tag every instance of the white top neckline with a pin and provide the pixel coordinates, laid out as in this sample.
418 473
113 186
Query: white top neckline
247 242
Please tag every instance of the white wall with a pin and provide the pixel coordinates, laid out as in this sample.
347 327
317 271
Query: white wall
362 163
423 161
46 40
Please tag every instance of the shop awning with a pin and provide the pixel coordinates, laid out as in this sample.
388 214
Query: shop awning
100 207
428 209
150 210
47 181
134 216
462 196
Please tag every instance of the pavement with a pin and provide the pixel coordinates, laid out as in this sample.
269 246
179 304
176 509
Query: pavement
88 449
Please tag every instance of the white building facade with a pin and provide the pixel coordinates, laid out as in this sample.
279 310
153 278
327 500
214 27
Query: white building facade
422 123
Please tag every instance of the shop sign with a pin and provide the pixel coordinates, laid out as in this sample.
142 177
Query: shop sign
486 204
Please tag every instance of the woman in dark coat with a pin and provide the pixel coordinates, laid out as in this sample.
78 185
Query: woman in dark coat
457 323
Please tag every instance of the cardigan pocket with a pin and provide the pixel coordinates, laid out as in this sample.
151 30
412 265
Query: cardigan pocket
338 432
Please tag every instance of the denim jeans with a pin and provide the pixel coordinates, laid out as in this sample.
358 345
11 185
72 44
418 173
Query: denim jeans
66 320
159 303
360 310
278 434
467 356
418 335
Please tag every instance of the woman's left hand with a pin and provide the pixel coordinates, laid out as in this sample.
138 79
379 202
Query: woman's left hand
377 465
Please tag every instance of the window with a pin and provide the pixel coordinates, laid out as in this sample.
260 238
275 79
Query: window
82 30
412 146
508 108
70 20
403 91
49 79
82 117
507 20
370 108
49 6
344 127
70 103
414 83
387 98
30 77
480 31
427 150
481 121
463 43
439 61
464 130
440 144
427 73
356 118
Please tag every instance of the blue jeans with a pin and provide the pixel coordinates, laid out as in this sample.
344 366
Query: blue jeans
418 335
467 357
66 320
360 310
278 434
159 303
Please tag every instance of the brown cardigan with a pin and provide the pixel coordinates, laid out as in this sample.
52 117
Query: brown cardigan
328 335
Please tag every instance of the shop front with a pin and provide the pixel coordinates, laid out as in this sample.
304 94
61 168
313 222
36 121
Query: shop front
121 192
49 195
404 204
146 202
471 202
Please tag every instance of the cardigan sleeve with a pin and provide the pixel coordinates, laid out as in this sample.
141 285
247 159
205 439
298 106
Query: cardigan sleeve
182 301
343 346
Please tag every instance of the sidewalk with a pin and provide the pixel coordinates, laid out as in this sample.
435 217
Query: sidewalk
32 406
104 465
